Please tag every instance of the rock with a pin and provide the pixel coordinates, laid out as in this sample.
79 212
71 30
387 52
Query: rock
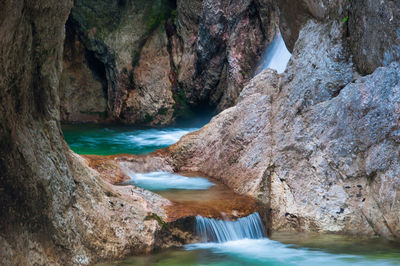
151 100
302 142
371 48
159 60
54 208
128 39
294 15
230 42
83 90
374 30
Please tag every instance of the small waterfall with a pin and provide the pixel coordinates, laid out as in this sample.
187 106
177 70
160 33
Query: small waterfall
213 230
276 56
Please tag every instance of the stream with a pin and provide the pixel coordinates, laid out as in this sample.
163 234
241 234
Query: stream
240 242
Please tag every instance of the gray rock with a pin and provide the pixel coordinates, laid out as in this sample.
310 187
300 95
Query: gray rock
374 29
320 150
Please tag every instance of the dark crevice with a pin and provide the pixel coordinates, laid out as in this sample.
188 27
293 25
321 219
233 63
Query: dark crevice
98 70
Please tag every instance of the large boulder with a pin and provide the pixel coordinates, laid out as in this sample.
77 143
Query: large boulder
318 144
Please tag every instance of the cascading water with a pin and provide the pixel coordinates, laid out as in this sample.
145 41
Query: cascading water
276 56
213 230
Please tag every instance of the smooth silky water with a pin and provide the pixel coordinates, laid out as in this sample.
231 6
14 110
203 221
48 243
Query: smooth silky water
111 139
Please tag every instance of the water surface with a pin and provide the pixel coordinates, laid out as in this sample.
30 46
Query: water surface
111 139
281 249
159 181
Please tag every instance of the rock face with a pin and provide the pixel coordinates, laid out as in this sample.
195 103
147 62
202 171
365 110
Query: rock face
54 209
123 41
230 41
374 28
157 59
83 90
319 144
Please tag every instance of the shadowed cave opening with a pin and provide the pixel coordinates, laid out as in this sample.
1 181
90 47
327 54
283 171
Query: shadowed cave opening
98 70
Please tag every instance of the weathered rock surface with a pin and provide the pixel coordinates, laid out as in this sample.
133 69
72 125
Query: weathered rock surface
127 39
374 30
83 91
54 209
159 58
317 145
373 27
230 41
293 15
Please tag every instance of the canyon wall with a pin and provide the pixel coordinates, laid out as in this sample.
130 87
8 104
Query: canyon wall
151 62
319 144
54 209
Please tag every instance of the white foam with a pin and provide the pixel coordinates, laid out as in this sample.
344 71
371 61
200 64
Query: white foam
153 137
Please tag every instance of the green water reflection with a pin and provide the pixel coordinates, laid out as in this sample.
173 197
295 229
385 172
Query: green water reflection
281 249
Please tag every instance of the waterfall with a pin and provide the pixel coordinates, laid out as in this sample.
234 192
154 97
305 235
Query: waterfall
276 56
213 230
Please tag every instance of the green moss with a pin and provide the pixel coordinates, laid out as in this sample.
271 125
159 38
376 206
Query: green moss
160 220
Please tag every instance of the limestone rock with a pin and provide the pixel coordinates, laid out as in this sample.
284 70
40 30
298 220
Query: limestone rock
83 91
127 39
159 60
55 209
374 30
318 146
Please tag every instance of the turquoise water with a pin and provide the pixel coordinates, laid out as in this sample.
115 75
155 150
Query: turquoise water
110 140
281 249
160 181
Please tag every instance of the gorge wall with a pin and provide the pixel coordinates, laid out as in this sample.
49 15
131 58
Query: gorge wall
151 62
318 144
54 209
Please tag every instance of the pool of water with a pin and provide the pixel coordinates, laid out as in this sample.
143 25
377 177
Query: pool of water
159 181
111 139
281 249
